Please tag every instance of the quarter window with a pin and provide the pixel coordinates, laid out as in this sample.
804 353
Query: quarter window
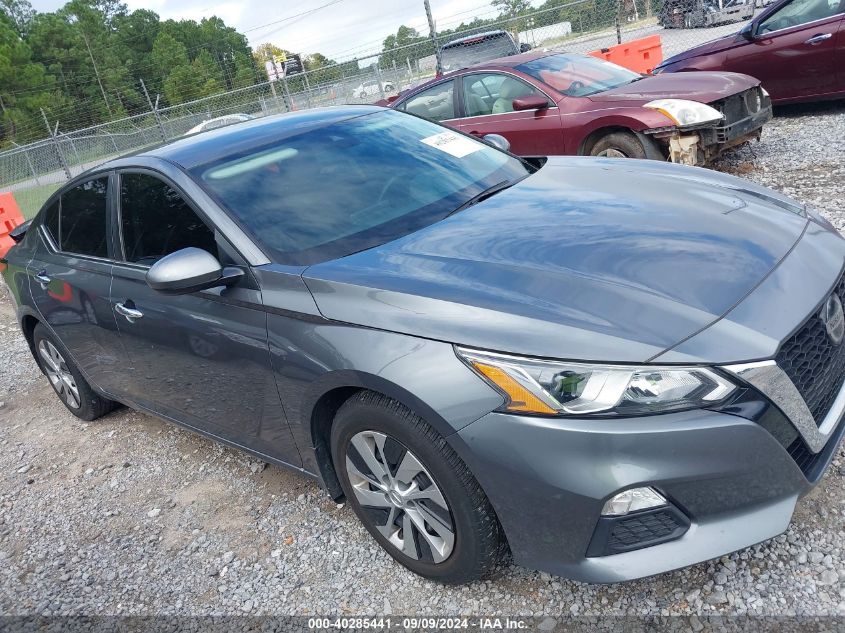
82 220
156 221
437 103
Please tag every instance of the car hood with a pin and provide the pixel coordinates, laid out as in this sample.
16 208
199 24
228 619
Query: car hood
701 86
712 47
592 259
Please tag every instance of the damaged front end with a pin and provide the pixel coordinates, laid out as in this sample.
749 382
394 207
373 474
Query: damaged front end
740 119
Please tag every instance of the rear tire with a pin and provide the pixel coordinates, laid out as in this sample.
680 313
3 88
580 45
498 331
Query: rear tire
618 145
445 529
66 379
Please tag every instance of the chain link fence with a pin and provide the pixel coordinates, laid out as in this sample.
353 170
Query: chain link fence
32 172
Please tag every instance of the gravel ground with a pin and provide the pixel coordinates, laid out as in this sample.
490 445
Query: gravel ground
129 515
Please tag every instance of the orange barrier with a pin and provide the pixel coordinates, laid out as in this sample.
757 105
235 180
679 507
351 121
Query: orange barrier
10 217
640 55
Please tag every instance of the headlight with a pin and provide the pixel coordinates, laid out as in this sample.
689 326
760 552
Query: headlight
685 113
564 388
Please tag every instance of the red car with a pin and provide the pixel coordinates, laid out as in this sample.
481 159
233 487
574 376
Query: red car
796 48
555 103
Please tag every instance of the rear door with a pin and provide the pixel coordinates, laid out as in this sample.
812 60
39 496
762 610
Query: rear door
203 358
70 277
487 108
797 50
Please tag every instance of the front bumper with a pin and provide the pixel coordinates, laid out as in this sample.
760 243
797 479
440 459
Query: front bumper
704 144
548 480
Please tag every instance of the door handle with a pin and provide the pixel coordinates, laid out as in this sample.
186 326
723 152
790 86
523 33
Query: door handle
821 37
476 133
130 313
42 278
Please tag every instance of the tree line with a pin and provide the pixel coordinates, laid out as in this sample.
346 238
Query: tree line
84 63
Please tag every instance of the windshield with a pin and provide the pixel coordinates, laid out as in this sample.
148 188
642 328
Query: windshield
578 75
354 184
469 52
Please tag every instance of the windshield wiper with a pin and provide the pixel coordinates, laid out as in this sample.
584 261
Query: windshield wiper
483 195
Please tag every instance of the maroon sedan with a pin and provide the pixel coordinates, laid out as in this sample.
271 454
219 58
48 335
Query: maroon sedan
550 104
796 48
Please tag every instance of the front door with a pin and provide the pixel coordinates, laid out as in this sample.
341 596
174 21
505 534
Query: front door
488 109
202 358
794 50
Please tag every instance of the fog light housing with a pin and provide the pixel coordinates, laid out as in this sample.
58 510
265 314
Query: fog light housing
632 500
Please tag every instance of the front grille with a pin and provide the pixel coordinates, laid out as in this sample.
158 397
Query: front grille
814 364
812 464
804 458
736 108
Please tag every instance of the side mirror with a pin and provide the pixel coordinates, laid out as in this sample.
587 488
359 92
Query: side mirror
524 48
190 270
747 31
530 102
19 232
498 141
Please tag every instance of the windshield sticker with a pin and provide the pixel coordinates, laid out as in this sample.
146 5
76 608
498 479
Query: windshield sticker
454 144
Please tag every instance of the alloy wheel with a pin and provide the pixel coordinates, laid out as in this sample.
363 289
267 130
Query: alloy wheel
612 152
398 493
59 374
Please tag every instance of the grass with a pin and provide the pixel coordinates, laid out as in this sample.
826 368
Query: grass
30 200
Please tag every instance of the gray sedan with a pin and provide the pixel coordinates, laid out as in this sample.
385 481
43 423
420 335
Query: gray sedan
609 368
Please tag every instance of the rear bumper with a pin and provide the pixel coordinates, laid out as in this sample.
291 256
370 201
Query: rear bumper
548 480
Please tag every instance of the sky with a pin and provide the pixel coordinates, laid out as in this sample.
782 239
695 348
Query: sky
339 29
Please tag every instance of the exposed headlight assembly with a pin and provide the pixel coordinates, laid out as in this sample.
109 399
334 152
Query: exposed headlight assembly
576 389
685 113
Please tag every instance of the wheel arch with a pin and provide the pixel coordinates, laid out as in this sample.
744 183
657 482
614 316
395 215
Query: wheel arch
652 149
327 395
28 321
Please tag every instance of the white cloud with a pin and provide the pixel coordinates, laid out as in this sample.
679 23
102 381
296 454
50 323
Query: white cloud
344 30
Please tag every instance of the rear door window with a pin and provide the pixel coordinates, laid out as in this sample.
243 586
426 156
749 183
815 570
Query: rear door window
82 219
436 104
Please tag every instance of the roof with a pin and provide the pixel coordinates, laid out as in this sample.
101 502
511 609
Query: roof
491 64
199 149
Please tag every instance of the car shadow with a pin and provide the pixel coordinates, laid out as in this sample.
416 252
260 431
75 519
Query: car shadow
804 109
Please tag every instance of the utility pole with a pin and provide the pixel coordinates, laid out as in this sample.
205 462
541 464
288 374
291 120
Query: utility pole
619 4
154 108
433 33
96 72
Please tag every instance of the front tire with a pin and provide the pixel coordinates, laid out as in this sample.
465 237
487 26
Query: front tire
66 379
618 145
412 492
